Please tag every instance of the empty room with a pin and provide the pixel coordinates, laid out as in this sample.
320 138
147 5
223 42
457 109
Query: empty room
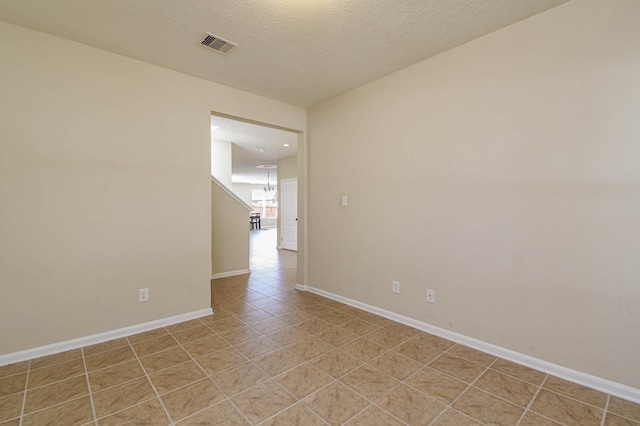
467 230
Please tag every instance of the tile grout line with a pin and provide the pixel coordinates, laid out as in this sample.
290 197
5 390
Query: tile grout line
45 385
404 382
309 363
367 363
274 288
338 379
86 375
624 416
119 384
535 395
147 376
227 398
606 410
428 364
572 398
24 397
469 386
207 376
374 403
539 387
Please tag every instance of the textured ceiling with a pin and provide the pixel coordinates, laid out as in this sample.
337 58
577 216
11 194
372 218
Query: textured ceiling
297 51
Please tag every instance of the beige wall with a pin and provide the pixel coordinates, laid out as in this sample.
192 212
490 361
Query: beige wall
243 190
104 187
505 176
287 169
221 161
229 233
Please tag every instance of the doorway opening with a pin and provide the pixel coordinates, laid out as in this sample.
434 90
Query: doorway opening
253 159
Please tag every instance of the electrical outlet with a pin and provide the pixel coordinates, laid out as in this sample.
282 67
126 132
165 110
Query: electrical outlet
395 286
431 296
143 295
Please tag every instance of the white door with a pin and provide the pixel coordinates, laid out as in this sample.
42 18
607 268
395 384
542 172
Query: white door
289 212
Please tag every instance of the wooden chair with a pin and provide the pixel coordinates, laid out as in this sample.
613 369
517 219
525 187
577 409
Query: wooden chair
254 220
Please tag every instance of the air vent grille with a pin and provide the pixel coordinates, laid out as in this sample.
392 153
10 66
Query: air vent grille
218 44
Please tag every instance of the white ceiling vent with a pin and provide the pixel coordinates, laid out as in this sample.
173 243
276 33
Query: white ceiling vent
218 44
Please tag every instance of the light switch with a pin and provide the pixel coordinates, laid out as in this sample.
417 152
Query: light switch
344 200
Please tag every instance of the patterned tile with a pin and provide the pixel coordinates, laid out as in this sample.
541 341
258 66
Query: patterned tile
487 408
122 396
54 394
374 416
336 363
336 403
507 387
10 406
278 361
436 384
46 375
176 376
624 408
191 399
75 412
239 378
272 355
565 410
573 390
369 382
263 401
411 406
146 413
459 368
396 365
298 414
304 380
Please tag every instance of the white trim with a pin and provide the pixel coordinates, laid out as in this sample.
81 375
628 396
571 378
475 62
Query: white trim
281 216
604 385
230 273
80 342
300 287
233 195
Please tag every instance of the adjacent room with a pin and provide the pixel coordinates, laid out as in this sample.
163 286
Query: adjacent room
460 243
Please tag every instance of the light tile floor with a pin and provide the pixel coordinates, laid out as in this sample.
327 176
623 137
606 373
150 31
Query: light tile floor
271 355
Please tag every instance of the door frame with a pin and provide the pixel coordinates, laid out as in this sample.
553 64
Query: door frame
303 161
281 209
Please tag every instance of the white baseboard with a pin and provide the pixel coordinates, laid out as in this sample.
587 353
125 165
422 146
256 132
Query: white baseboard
604 385
230 273
79 342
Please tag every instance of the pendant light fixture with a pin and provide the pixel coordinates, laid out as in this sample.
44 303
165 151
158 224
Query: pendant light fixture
268 188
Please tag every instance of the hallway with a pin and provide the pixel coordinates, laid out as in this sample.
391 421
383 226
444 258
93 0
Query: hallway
270 267
266 260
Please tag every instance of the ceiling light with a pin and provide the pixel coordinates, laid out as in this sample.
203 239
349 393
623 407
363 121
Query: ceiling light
286 144
267 166
260 149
